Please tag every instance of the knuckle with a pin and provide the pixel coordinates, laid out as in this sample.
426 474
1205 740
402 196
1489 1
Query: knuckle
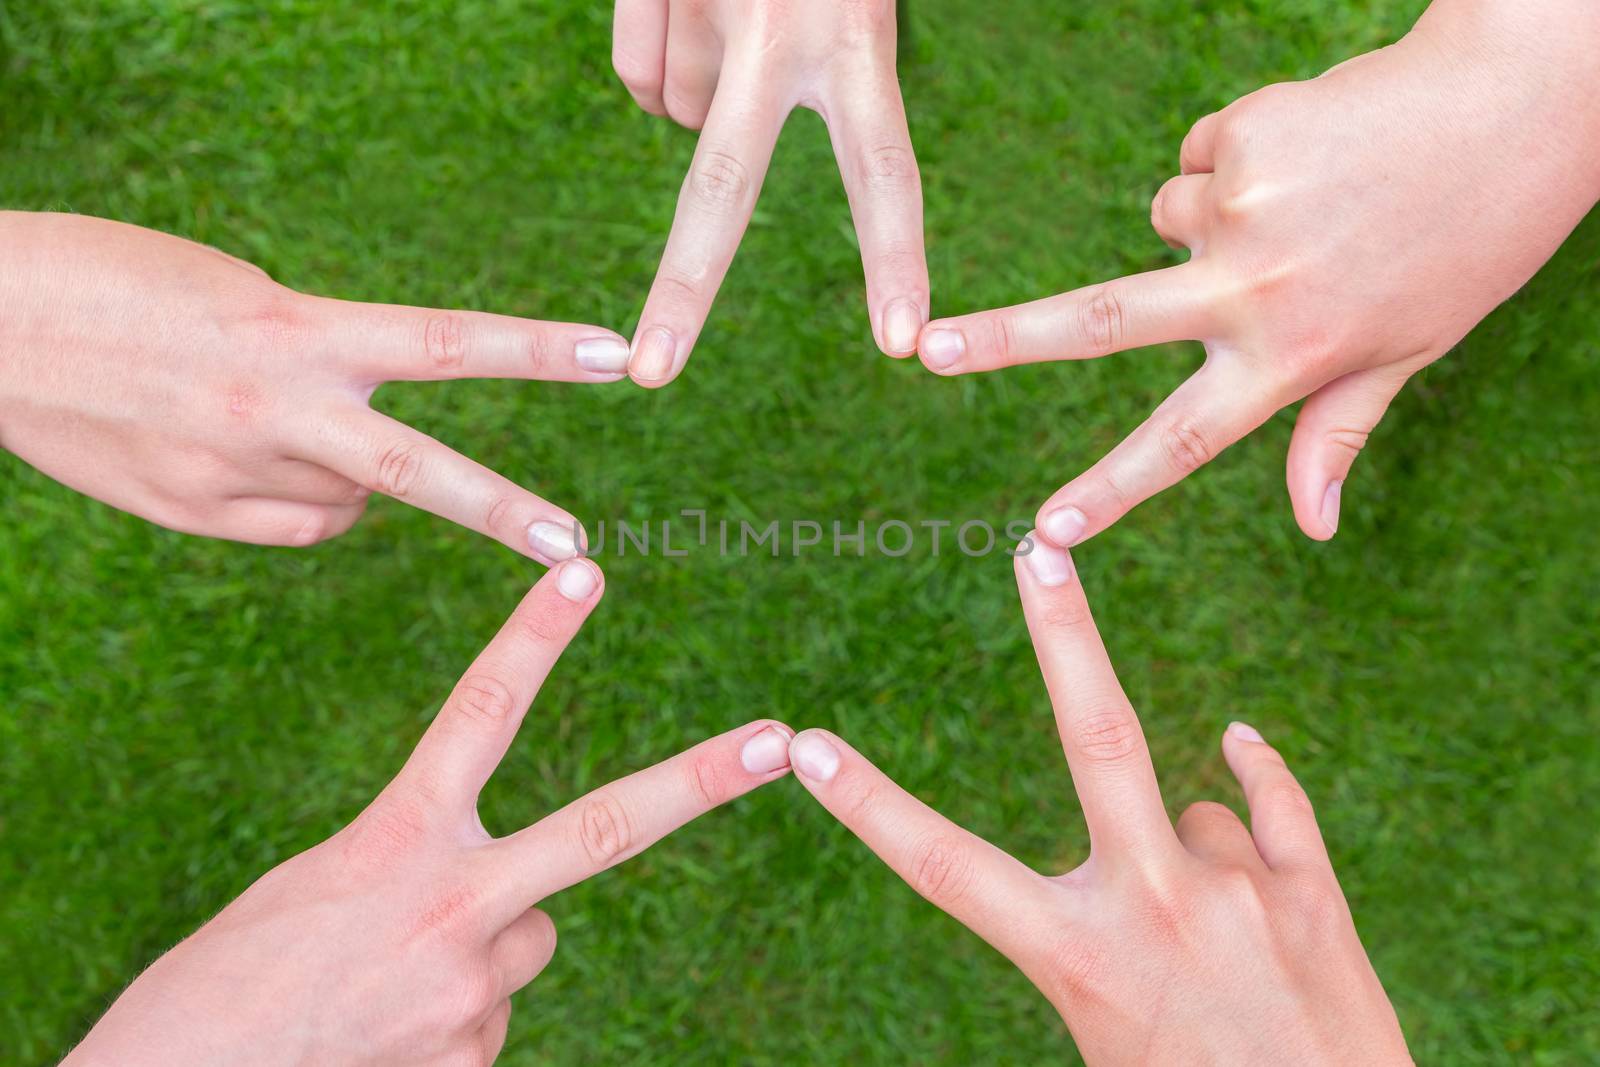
278 326
1185 445
444 341
706 781
1071 968
385 834
1207 815
889 168
634 71
475 991
1347 439
483 698
541 624
940 871
316 528
398 465
1107 736
1066 615
499 510
1318 906
719 180
688 111
679 288
604 832
1003 336
448 913
859 802
1102 320
1285 796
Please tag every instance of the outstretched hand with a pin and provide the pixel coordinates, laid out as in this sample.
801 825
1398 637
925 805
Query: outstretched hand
171 380
735 69
401 939
1344 233
1208 943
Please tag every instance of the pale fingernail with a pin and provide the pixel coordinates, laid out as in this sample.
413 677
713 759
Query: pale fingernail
1245 732
941 348
603 355
652 360
1330 506
578 580
767 751
554 541
813 757
902 320
1065 526
1050 565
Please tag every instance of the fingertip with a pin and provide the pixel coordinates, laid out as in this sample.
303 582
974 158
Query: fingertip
766 751
1063 525
899 327
942 346
1241 731
604 355
1045 564
552 542
815 756
580 580
655 360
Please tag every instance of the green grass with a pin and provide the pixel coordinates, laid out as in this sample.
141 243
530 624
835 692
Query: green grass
178 715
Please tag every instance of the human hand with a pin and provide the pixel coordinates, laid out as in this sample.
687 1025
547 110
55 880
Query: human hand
1344 233
400 939
1209 944
735 69
173 381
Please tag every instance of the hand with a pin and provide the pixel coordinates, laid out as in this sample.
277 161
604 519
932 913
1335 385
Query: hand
1211 944
1344 233
400 939
173 381
734 69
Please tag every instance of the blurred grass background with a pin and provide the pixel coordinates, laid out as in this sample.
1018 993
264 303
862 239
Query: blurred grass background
177 715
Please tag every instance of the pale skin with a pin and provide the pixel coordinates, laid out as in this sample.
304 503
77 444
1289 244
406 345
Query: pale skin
1344 233
735 69
402 939
173 381
1204 942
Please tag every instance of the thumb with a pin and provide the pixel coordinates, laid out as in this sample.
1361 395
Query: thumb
1330 432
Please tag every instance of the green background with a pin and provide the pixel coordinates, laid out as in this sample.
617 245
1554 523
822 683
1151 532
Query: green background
178 715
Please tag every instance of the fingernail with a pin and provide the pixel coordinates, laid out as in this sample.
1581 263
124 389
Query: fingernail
1245 732
767 751
902 321
1050 565
652 360
941 348
577 580
813 757
1065 526
554 541
603 355
1330 506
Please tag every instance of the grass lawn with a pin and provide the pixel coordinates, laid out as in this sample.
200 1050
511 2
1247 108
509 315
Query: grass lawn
177 715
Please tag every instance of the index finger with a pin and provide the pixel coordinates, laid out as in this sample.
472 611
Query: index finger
622 819
470 735
719 193
1100 733
387 456
1172 304
393 342
985 889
